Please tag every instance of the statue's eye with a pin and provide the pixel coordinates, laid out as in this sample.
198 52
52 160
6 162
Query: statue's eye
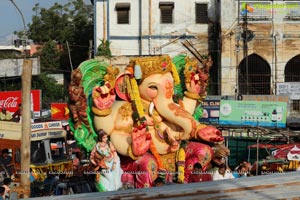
153 87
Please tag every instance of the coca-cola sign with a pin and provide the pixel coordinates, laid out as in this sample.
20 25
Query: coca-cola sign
11 99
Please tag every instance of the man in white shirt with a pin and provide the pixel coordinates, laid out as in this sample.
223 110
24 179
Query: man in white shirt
222 173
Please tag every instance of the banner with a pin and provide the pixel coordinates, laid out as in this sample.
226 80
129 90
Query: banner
292 89
11 99
59 111
211 109
253 113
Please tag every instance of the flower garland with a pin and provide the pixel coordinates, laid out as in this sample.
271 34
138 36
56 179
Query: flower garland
180 161
175 74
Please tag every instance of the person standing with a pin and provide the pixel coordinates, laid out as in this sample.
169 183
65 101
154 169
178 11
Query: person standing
17 114
6 161
105 159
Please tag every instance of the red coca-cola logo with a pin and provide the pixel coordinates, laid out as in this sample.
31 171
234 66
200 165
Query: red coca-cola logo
10 102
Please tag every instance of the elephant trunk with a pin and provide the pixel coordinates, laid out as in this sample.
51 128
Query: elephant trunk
175 114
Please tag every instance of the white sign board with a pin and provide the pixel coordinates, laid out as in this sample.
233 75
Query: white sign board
292 89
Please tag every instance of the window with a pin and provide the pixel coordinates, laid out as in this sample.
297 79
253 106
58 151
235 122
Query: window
166 12
201 13
38 154
258 76
292 70
58 149
122 13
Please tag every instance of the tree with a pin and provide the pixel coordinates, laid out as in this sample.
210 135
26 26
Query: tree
51 91
50 57
52 29
104 49
72 23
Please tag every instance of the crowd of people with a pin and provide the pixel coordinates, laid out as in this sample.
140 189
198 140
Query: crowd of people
105 160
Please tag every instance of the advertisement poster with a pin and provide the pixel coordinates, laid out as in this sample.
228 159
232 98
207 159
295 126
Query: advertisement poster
253 113
11 99
59 111
211 109
292 89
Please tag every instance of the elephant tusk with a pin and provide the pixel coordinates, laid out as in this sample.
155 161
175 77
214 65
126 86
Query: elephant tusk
151 107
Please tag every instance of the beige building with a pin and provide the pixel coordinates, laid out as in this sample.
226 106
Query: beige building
257 61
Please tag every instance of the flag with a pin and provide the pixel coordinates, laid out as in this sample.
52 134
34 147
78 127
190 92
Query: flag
59 111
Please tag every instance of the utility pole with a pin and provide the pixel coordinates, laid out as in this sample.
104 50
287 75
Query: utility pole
104 24
90 48
26 116
245 45
237 51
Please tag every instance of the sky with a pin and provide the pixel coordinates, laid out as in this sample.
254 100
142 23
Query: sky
11 20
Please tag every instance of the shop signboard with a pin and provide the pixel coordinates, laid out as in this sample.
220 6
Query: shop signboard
11 100
253 113
292 89
211 110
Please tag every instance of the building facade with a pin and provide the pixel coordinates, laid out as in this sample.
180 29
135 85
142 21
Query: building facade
152 27
260 48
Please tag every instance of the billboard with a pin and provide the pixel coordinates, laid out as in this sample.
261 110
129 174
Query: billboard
211 110
292 89
253 113
11 99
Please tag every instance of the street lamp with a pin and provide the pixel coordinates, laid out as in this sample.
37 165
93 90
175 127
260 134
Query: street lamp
24 40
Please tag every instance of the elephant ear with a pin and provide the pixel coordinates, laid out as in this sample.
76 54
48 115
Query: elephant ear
93 72
179 62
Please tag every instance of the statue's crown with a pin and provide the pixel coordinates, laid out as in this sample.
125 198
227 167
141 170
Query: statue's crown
146 66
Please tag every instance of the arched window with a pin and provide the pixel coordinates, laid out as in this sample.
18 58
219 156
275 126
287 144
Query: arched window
292 74
292 70
259 76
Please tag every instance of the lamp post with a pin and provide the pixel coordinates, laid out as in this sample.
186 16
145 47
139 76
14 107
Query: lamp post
24 41
26 116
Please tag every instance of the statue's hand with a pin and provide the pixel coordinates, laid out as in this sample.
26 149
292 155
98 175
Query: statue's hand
193 84
140 140
209 134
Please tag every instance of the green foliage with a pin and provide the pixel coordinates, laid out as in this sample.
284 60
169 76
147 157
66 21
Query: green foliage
50 56
51 91
72 23
52 28
104 49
